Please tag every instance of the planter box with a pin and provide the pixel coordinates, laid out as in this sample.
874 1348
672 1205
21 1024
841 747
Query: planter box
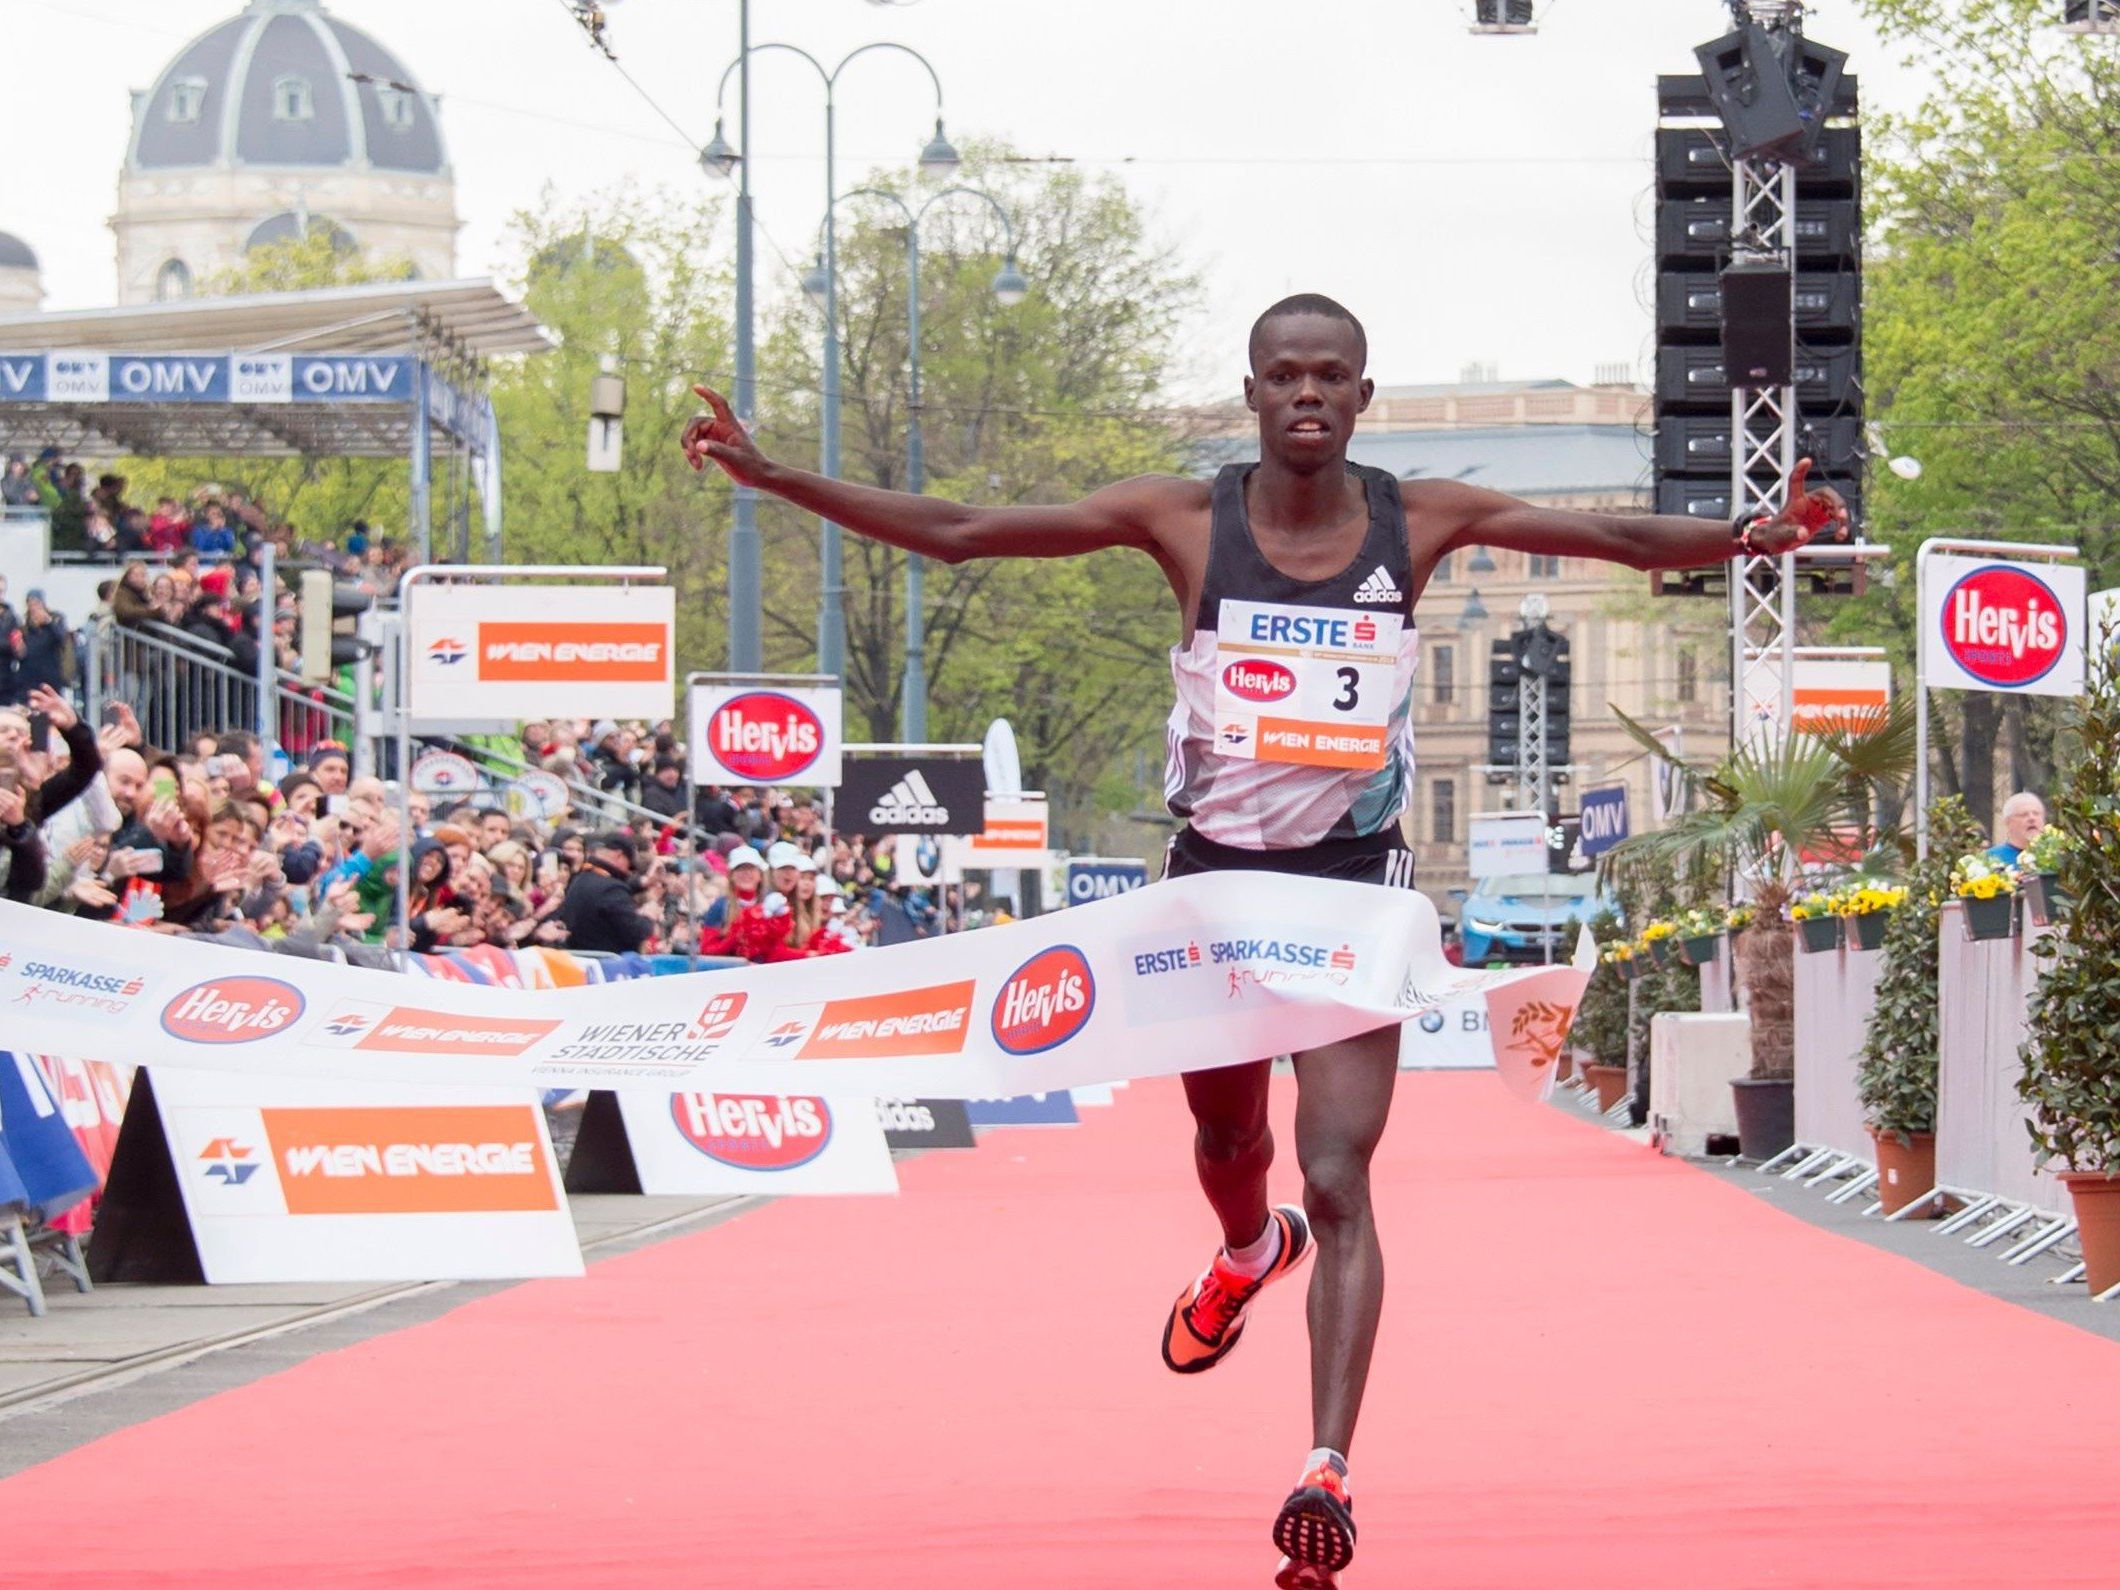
1818 934
1990 919
1692 1060
1700 949
1660 953
2045 900
1866 929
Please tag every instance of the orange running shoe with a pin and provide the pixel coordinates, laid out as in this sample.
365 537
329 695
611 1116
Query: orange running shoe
1208 1318
1315 1530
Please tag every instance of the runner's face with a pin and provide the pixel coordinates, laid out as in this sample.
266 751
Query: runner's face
1307 389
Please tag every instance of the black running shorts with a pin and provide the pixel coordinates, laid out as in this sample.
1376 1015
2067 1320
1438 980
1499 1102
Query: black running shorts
1376 858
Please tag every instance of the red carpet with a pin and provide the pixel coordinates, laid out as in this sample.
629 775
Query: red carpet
1598 1368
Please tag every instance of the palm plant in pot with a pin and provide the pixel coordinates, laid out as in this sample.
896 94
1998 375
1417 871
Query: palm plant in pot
2071 1076
1896 1076
1758 815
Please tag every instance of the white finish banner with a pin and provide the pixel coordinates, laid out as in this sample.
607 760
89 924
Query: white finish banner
295 1178
1184 975
1989 624
760 732
509 652
757 1143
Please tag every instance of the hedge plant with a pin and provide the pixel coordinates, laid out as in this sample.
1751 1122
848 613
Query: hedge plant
2071 1076
1601 1019
1896 1077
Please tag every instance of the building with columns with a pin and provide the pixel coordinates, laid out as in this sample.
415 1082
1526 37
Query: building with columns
280 121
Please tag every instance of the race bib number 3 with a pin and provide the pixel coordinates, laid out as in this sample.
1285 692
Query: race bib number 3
1309 685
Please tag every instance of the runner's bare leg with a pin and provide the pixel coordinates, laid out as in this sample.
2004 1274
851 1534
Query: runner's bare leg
1233 1144
1342 1100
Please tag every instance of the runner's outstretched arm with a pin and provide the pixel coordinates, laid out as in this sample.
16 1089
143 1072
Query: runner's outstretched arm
1640 541
935 527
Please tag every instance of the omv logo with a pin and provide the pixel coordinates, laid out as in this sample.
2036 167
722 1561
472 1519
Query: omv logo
448 651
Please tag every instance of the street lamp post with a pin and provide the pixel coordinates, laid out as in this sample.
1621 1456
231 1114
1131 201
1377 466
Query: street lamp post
1009 288
937 157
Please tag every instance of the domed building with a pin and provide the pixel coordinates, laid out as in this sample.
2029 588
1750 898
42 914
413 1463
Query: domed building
278 122
21 283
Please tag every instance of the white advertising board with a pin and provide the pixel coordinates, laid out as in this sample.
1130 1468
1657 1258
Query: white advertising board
1502 843
303 1179
697 1143
509 652
1016 835
1451 1037
755 732
1991 624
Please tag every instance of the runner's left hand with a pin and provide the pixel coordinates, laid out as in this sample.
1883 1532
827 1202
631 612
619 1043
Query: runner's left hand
1805 515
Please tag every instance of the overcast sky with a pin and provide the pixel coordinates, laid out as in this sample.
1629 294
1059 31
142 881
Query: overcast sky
1469 198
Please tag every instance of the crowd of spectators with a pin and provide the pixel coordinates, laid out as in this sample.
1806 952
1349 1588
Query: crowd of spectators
204 840
204 837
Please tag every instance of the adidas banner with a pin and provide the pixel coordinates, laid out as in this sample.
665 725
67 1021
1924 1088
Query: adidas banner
910 795
1184 975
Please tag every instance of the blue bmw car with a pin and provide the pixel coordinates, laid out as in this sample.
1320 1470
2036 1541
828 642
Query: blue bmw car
1508 918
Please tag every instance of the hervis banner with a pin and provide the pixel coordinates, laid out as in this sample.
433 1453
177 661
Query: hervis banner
499 652
302 1178
763 729
1183 975
1990 623
705 1143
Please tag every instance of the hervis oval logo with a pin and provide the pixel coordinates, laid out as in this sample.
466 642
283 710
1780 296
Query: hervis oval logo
765 736
753 1131
1251 680
2004 626
233 1010
1045 1002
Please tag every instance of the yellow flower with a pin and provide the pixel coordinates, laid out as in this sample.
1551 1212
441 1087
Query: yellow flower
1658 930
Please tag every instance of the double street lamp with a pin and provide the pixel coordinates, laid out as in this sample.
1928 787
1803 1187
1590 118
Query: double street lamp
1009 289
938 158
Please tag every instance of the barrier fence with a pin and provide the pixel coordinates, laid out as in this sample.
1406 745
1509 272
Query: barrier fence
1988 1188
1982 1145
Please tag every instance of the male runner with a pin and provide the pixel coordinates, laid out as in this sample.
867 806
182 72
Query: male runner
1303 529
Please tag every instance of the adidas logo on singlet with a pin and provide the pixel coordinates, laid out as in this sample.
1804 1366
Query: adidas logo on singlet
909 803
1378 590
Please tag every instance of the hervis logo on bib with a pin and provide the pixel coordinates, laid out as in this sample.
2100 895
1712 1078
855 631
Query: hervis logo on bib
1251 680
753 1131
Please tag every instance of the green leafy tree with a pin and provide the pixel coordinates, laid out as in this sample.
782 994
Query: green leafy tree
1042 401
1992 291
637 279
1896 1076
2071 1076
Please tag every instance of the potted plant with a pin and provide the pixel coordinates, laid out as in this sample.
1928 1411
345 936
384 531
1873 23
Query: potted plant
1758 814
1600 1030
1817 922
1896 1075
2039 874
1737 919
1656 943
1987 892
1699 932
1867 907
2071 1078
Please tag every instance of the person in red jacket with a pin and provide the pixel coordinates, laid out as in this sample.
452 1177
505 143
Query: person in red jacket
737 925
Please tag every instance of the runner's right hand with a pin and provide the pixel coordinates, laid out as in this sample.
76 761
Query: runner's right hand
720 436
